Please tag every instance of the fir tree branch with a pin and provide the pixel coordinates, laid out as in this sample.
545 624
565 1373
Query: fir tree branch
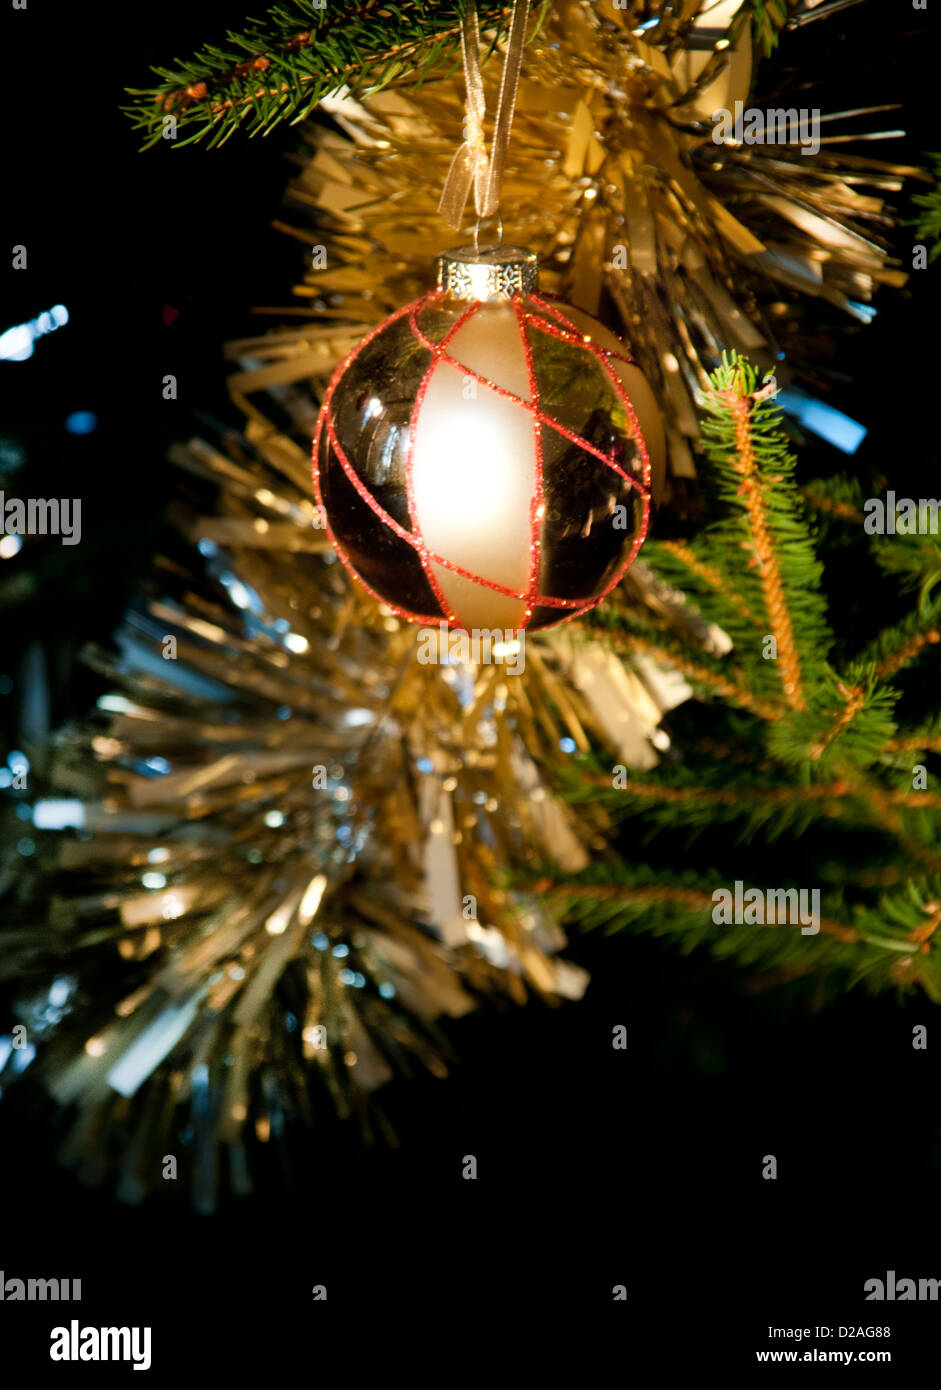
923 934
731 796
664 805
823 759
889 944
701 675
760 513
771 809
920 741
883 806
907 652
854 703
709 575
768 17
739 399
690 900
927 223
844 510
281 67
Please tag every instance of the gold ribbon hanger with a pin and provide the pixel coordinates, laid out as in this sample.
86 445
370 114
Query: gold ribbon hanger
471 166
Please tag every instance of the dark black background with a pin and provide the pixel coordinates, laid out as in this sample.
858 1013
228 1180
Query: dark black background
596 1168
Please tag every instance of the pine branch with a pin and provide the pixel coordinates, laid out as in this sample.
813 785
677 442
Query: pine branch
909 651
815 714
915 559
744 442
768 18
687 900
888 810
836 497
281 67
897 647
818 755
710 677
709 794
927 223
682 797
705 573
770 605
891 944
926 739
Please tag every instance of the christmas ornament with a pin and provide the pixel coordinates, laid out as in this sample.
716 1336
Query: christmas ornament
483 458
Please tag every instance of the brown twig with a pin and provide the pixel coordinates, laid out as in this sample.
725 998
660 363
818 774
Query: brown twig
855 698
908 652
826 504
777 796
731 796
883 803
915 743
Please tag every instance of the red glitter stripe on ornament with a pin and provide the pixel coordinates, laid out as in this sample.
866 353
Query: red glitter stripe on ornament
578 337
537 503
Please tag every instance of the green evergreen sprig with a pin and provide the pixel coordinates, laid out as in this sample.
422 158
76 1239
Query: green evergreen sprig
281 67
883 945
927 223
810 761
768 19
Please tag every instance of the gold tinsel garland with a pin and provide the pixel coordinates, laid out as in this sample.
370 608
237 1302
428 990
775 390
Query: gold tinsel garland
296 841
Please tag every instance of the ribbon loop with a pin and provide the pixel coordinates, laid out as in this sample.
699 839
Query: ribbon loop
471 167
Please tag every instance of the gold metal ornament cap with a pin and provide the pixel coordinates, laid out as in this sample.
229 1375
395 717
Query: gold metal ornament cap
490 272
